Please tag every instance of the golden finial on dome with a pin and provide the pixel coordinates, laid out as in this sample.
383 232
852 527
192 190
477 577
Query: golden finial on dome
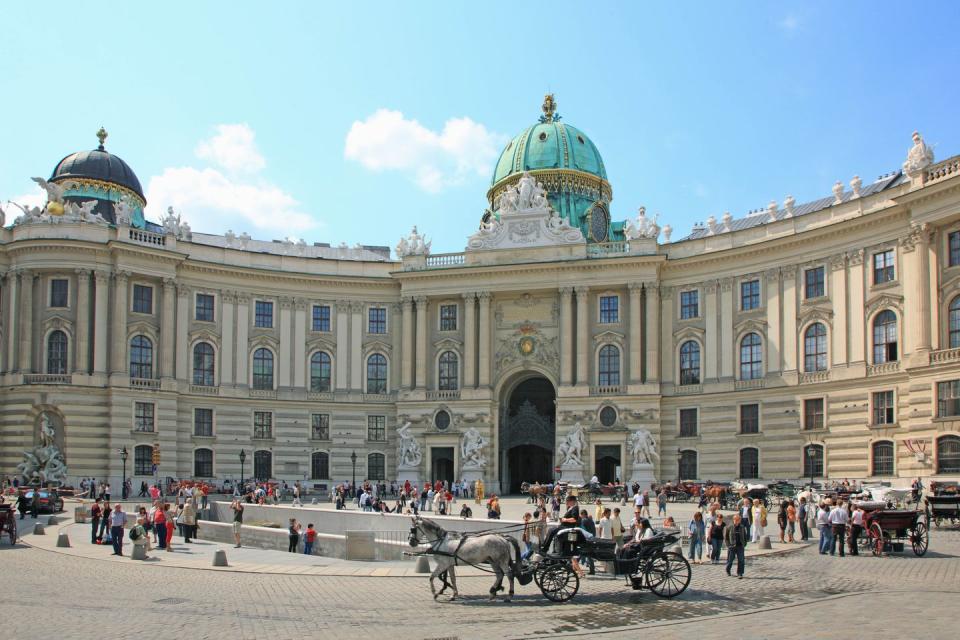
102 137
549 108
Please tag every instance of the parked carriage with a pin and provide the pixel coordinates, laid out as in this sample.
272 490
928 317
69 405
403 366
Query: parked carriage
944 508
8 522
890 529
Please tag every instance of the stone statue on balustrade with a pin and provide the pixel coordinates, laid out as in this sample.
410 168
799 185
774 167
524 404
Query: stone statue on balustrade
919 157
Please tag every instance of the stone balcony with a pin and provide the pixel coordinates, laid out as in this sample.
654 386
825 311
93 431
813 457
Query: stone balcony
47 378
146 384
883 369
608 390
445 394
945 355
203 390
813 377
742 385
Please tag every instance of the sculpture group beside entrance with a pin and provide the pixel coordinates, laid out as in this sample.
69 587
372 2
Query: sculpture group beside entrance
409 455
643 450
44 465
471 449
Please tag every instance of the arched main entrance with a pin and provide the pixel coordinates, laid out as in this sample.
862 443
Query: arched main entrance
527 433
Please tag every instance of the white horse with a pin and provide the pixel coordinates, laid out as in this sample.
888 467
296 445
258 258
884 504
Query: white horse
450 548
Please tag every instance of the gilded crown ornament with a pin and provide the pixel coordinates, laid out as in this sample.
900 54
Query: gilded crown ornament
549 109
102 137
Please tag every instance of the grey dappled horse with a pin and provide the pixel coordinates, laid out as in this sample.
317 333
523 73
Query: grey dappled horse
449 548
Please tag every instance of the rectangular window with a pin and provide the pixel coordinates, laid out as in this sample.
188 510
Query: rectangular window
883 267
262 425
750 295
954 248
142 460
609 309
204 310
688 423
884 411
143 417
948 398
448 317
321 317
689 305
377 320
203 423
749 418
320 426
263 317
377 428
59 292
376 466
813 286
813 413
142 298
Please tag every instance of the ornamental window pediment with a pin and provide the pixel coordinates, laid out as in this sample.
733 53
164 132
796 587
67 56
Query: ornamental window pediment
376 346
750 325
609 337
815 313
883 301
951 287
204 335
690 333
269 342
57 321
322 344
142 328
448 344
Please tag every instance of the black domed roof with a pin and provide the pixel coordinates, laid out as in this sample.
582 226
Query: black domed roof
97 164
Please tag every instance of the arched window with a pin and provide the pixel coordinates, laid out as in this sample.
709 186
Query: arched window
882 458
143 460
203 364
320 466
955 323
749 463
690 363
815 348
263 369
751 357
447 376
377 373
813 460
203 463
57 353
320 371
262 465
141 357
688 465
885 337
948 454
376 467
608 366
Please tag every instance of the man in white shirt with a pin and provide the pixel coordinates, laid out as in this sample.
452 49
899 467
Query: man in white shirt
823 527
838 523
856 522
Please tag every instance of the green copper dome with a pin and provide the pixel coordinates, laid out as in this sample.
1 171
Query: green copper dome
568 165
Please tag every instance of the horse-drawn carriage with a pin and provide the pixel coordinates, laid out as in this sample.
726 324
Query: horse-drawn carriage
944 507
645 565
590 491
887 530
8 522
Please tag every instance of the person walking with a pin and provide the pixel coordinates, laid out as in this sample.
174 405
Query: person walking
296 495
237 507
588 525
617 530
802 515
791 521
697 531
838 525
309 537
662 503
96 512
716 534
856 527
823 527
104 522
782 520
294 531
117 521
736 538
170 520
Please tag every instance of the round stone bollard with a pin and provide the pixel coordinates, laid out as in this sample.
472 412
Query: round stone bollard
764 543
63 541
139 552
52 520
38 529
220 558
423 565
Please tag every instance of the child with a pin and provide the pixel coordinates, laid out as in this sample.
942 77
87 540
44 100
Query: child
308 539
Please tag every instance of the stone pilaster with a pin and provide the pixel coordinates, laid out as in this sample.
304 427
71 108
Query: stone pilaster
469 339
636 333
168 338
26 332
483 377
406 347
583 335
118 337
422 352
101 312
652 329
82 359
566 336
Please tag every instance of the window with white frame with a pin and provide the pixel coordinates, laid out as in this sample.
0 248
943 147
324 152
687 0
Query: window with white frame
59 292
320 426
815 348
813 460
948 399
688 422
751 357
320 465
143 417
948 454
377 320
609 309
883 270
689 304
263 369
141 357
749 418
689 363
954 323
749 463
954 248
814 283
377 373
448 371
321 318
885 337
203 463
884 410
204 365
813 414
608 370
882 463
377 428
263 314
262 425
320 371
448 317
688 464
203 422
142 460
376 467
142 298
750 295
57 353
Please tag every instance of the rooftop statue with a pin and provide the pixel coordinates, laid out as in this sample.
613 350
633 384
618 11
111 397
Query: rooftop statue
644 227
919 157
413 245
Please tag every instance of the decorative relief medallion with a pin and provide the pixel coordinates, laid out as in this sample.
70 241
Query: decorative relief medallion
527 343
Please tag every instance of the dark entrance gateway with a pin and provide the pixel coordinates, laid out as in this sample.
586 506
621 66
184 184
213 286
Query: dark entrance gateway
441 464
608 459
527 433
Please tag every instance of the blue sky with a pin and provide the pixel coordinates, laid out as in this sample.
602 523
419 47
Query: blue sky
351 122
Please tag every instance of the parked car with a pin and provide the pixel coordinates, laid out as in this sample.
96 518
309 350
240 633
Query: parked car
50 501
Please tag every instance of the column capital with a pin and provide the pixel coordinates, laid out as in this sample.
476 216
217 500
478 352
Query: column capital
242 297
300 304
421 301
726 284
183 291
285 302
652 287
582 291
406 302
121 276
469 296
356 306
343 305
83 273
710 287
566 292
838 262
484 297
855 257
666 292
169 283
26 274
788 271
635 288
229 296
772 275
101 276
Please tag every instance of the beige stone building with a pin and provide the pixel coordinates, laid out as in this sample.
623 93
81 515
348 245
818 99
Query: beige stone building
804 339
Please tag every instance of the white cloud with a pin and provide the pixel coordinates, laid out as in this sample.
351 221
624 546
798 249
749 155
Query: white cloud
232 149
789 23
230 195
35 198
386 141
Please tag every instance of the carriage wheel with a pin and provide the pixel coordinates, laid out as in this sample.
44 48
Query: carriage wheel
920 538
558 582
876 539
667 574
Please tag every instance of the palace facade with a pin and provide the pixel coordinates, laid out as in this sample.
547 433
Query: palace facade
816 339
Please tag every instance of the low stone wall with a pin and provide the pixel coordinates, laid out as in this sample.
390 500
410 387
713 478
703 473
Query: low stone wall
331 546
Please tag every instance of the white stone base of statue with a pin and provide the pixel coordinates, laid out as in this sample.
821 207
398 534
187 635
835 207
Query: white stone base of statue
642 474
471 475
571 475
408 474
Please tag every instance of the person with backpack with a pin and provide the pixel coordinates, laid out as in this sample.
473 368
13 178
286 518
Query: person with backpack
139 537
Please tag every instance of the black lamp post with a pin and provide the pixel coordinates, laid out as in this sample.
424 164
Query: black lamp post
123 482
243 458
679 460
810 451
353 461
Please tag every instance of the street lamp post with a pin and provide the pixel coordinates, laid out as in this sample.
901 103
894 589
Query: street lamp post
353 461
810 451
679 460
123 481
243 458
